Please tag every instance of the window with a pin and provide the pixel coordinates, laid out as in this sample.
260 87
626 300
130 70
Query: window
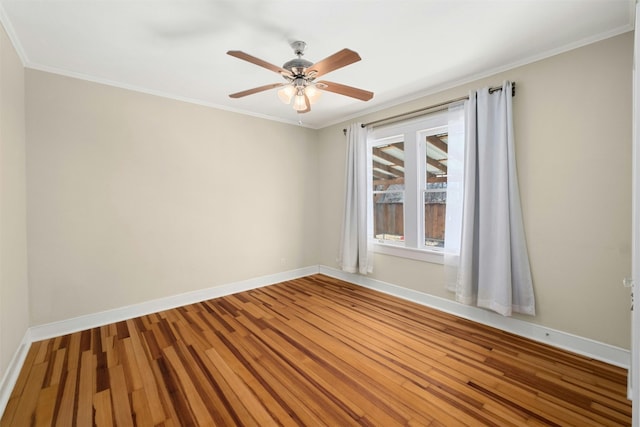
408 177
387 180
435 192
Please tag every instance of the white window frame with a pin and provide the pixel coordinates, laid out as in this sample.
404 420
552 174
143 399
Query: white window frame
413 133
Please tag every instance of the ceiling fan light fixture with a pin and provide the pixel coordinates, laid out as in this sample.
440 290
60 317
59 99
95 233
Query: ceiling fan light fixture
299 103
313 93
286 94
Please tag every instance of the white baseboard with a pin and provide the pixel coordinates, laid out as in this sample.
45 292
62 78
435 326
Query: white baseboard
88 321
10 377
587 347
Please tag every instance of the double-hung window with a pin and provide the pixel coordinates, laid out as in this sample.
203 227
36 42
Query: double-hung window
409 183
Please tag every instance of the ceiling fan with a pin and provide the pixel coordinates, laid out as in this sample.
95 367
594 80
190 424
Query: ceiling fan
300 77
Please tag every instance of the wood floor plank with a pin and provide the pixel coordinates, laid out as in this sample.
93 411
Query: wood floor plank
148 382
46 406
103 409
66 408
86 388
130 365
141 410
57 366
313 351
120 397
25 411
18 389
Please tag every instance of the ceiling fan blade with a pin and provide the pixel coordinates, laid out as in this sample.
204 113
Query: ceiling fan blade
257 61
256 90
353 92
333 62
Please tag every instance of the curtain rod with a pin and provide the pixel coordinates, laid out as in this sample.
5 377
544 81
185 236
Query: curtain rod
432 109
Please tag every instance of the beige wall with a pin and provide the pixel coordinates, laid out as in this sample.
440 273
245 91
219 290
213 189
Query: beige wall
572 118
14 308
133 197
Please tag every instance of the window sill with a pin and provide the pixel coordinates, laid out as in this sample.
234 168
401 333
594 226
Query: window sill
436 257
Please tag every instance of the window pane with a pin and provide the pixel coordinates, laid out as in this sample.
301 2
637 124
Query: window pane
388 218
388 191
388 165
435 196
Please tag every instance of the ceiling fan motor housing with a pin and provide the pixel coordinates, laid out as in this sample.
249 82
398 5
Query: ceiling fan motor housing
297 66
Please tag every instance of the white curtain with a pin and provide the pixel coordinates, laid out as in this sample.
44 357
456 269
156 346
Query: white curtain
494 269
355 247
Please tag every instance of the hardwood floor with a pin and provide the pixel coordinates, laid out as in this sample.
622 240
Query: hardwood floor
313 351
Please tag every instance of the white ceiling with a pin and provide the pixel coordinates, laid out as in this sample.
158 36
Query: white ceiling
177 48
